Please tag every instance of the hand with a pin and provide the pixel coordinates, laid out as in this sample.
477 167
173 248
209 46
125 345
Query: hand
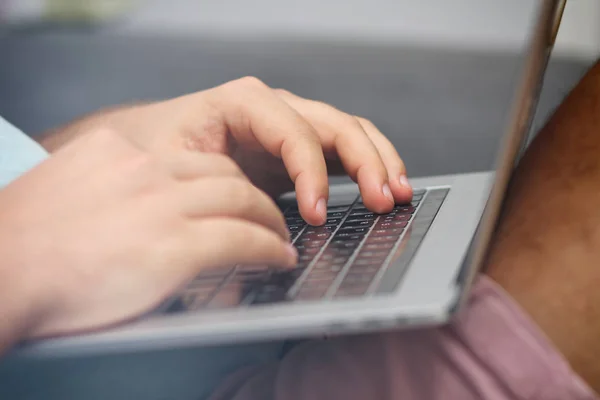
272 134
102 231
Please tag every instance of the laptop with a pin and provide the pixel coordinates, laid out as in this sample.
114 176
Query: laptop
359 272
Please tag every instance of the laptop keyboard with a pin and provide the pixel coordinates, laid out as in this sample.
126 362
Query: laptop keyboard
355 253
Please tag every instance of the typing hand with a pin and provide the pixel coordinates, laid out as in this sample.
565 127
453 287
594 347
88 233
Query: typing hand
103 231
276 137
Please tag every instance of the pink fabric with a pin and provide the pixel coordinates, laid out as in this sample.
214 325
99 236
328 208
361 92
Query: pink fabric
491 351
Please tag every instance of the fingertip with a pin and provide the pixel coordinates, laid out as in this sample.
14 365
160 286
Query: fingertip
321 209
292 254
402 189
312 197
375 191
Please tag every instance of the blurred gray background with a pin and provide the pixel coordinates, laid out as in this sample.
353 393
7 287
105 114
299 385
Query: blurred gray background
436 76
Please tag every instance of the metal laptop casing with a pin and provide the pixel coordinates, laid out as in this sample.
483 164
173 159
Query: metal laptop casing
427 294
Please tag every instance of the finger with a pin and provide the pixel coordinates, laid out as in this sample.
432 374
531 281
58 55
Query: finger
343 134
185 165
254 114
231 197
399 185
228 241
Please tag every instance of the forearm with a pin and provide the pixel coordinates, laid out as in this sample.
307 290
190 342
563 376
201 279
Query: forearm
103 119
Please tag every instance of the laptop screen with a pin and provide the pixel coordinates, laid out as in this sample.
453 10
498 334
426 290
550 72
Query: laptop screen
518 131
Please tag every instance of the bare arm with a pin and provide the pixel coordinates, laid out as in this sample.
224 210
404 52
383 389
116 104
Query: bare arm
107 118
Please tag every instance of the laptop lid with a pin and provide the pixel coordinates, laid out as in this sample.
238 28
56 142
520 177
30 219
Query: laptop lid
517 133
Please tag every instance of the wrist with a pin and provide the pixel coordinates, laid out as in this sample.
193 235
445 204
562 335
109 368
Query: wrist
22 299
110 118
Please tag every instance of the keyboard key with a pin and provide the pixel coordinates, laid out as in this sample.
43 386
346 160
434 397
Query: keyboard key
336 214
295 273
342 244
317 284
314 236
386 232
303 264
314 243
294 221
378 246
362 214
322 275
326 264
295 228
381 254
368 261
352 291
382 239
335 209
306 257
320 229
391 225
353 229
348 237
370 269
359 207
333 221
338 251
396 217
269 294
327 257
405 209
333 267
357 279
310 293
332 258
306 250
358 223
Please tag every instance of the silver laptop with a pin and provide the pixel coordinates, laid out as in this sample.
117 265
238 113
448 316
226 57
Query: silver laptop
360 271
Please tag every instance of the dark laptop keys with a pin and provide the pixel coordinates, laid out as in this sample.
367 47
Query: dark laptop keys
359 223
383 225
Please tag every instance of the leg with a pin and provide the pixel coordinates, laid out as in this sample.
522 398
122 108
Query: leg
547 250
546 256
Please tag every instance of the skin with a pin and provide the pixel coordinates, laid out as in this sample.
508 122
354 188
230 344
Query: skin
137 200
547 247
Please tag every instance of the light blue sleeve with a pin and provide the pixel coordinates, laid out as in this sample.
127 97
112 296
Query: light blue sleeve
18 153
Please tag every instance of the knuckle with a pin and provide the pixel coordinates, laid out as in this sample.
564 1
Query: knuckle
354 122
363 121
283 92
251 82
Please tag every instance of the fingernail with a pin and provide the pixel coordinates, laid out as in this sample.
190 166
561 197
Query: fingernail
293 253
387 192
322 208
404 181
